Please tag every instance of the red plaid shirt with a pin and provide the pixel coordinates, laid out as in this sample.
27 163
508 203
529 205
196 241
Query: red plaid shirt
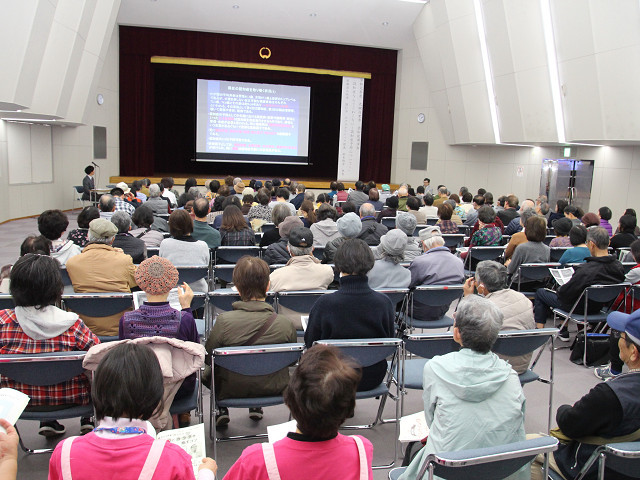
14 340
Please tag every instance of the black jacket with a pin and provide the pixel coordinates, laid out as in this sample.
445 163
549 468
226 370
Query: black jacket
372 231
277 252
134 247
596 271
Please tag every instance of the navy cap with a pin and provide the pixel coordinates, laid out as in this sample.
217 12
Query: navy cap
627 323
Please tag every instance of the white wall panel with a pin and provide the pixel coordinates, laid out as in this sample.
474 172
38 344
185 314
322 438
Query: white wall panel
41 154
19 153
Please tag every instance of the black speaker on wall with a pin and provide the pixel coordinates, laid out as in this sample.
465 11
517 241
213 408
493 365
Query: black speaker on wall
419 155
99 142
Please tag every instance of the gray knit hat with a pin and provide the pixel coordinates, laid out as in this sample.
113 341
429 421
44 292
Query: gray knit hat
406 222
393 242
349 225
428 232
288 224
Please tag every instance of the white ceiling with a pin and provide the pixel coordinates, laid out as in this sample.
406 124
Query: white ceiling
374 23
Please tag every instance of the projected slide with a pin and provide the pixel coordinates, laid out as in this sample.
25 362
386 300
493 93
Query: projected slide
252 122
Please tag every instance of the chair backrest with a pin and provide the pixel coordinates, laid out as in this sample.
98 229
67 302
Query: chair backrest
556 252
432 221
268 226
521 342
416 231
536 271
453 240
257 359
463 229
396 295
485 253
389 222
224 272
547 239
192 273
42 369
488 463
623 458
233 254
98 304
628 266
366 351
428 345
318 252
300 300
6 301
437 295
223 298
66 280
605 293
153 251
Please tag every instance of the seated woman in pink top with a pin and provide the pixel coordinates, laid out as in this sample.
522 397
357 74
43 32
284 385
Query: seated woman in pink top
127 389
321 395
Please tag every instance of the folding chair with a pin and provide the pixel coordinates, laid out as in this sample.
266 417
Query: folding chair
433 296
623 458
598 293
153 251
453 240
318 252
367 352
223 299
416 232
98 304
299 301
66 280
193 273
6 301
389 222
489 463
77 196
547 239
227 255
192 402
522 342
534 272
267 227
397 296
628 266
253 360
479 254
464 230
556 252
223 273
44 369
432 221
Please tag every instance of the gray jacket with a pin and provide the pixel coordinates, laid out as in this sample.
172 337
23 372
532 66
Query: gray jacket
386 274
324 231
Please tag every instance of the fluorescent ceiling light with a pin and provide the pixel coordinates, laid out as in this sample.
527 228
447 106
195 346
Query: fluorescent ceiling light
552 62
487 70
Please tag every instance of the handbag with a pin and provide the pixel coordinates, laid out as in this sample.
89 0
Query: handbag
597 345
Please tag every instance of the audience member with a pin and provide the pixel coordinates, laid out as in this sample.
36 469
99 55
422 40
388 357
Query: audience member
466 205
79 236
590 219
278 252
357 196
234 230
107 205
580 251
403 195
132 246
472 214
36 325
230 200
371 230
446 226
261 211
201 229
413 208
321 395
571 212
488 234
119 203
561 226
308 213
168 183
437 266
406 223
387 271
599 269
374 199
491 282
519 237
632 212
605 414
390 209
282 196
341 194
102 268
349 226
52 224
245 325
605 215
559 212
334 190
355 310
471 387
247 202
532 251
299 198
443 195
458 212
238 189
155 202
429 210
514 225
182 250
213 185
36 244
143 219
127 390
510 210
626 235
325 229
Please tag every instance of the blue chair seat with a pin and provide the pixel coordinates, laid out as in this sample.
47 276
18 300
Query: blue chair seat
374 392
71 412
528 377
250 402
395 473
601 316
413 370
185 404
444 322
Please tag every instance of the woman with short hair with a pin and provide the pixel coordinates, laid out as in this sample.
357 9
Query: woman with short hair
143 219
80 235
532 251
261 210
445 212
321 395
325 229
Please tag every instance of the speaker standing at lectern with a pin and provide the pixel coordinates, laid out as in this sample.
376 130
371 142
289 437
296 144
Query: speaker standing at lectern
88 183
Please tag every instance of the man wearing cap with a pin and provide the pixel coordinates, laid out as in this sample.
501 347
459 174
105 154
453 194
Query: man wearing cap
371 231
349 226
118 197
102 268
608 413
278 252
437 266
303 271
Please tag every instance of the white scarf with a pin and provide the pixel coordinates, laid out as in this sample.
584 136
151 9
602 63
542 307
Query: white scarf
44 323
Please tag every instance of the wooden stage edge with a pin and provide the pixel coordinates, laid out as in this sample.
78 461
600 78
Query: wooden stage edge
203 182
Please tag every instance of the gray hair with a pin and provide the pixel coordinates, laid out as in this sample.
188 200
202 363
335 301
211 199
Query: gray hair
107 203
478 320
433 242
236 180
299 251
300 187
544 208
154 190
526 215
367 210
195 191
279 212
106 241
309 196
122 221
599 236
443 190
492 275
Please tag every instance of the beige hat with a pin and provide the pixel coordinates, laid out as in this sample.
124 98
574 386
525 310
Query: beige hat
102 228
239 187
428 232
248 191
124 187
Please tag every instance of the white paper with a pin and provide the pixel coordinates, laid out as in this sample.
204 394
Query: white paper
279 431
12 404
140 297
304 319
562 275
191 440
413 428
